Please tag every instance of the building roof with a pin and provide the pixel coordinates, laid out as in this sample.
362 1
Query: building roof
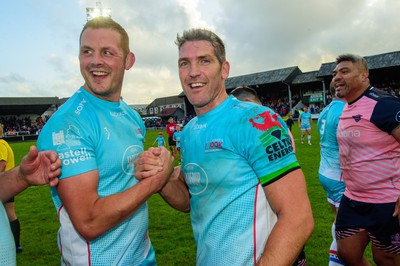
267 77
169 111
26 105
378 61
391 59
306 77
166 100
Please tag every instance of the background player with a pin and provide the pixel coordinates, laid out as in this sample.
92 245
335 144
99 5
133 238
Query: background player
305 123
329 172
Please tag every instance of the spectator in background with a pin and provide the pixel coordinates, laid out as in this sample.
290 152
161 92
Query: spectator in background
160 140
170 128
290 122
177 138
369 146
329 173
238 168
36 168
7 163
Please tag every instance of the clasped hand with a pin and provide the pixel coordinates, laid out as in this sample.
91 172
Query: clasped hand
155 164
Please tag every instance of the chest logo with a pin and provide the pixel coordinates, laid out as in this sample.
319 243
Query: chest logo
357 118
265 121
196 178
398 116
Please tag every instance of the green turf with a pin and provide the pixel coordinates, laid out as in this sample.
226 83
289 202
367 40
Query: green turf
170 230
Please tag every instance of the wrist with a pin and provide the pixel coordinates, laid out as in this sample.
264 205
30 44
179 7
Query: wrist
22 183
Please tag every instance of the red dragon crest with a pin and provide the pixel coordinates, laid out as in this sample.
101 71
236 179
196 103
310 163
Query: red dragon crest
269 121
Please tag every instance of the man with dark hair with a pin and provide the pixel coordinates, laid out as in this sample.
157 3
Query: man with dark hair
369 145
247 94
239 173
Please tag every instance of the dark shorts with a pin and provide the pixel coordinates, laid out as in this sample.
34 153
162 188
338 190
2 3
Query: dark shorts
375 218
171 141
301 259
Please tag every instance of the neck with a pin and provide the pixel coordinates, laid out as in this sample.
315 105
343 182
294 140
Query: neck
356 93
212 104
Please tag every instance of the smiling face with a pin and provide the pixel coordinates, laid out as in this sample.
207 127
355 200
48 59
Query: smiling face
103 63
202 76
350 80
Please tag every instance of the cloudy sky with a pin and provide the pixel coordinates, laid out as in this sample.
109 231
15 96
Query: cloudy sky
39 39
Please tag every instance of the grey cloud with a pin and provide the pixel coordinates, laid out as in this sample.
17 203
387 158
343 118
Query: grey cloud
259 35
11 78
276 34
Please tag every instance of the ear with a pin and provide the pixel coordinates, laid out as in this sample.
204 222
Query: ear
225 70
365 76
129 60
248 100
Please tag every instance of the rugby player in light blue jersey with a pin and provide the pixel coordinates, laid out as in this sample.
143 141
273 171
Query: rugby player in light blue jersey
330 173
305 123
100 204
239 173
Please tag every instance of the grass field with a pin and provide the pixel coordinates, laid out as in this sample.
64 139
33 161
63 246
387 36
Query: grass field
170 230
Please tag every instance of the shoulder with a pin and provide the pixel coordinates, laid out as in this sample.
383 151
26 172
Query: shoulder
247 108
75 105
337 105
379 107
3 146
376 93
381 100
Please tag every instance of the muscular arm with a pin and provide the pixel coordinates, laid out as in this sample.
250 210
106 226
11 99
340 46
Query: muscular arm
35 169
288 197
92 215
11 185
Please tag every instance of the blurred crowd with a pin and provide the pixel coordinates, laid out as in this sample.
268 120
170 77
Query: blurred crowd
14 126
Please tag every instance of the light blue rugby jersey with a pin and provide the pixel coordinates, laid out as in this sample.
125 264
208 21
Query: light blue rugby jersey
227 152
92 134
327 126
305 119
177 135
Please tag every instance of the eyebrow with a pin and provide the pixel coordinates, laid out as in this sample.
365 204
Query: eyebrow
340 69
